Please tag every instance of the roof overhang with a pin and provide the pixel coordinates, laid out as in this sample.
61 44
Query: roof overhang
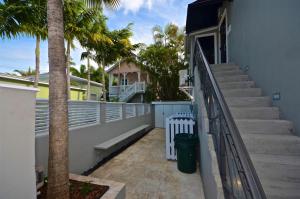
202 14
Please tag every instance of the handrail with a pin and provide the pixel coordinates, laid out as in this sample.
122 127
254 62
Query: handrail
237 171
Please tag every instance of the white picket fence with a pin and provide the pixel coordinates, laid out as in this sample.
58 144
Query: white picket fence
177 123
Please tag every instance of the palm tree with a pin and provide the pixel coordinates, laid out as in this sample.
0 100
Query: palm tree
82 72
58 162
37 27
9 20
76 18
25 17
88 56
97 34
26 73
107 53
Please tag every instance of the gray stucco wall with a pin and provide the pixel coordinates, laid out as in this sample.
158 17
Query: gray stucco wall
17 171
82 155
208 163
265 36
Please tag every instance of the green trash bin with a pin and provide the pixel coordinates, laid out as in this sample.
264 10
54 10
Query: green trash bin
185 145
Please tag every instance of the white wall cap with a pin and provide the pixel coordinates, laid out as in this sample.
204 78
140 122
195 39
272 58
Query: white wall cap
19 87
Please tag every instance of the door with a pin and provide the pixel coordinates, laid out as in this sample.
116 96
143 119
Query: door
223 42
208 46
159 116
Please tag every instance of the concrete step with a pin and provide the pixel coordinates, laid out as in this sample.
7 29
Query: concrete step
264 113
235 78
228 73
248 101
281 189
242 92
264 126
279 174
234 85
277 167
272 144
224 67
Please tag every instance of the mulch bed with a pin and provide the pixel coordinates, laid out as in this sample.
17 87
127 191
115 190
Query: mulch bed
79 190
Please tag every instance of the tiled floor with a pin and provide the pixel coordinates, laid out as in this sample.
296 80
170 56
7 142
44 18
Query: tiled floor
148 174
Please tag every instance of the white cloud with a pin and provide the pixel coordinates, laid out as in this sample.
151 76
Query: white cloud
135 5
132 5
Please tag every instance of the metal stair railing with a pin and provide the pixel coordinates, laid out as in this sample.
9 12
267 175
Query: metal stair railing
238 174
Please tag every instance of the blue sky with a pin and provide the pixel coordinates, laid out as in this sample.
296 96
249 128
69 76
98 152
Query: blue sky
19 53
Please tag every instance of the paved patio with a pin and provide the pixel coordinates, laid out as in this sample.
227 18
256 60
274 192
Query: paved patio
148 174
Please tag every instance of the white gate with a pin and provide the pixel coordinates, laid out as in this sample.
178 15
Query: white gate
166 109
177 123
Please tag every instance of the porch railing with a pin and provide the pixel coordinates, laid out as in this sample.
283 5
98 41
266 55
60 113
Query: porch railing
237 172
83 113
126 91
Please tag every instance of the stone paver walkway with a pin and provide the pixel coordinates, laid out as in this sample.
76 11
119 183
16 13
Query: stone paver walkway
147 173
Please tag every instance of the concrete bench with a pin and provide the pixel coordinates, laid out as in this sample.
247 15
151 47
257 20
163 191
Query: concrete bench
112 142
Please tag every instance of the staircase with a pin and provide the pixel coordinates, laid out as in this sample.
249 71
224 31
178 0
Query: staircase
130 90
273 148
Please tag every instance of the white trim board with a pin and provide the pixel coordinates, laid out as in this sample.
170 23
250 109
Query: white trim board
203 30
223 17
215 43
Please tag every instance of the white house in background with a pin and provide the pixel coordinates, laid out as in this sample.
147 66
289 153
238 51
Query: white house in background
127 82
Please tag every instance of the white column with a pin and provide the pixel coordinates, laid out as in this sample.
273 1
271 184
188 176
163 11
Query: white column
148 79
139 76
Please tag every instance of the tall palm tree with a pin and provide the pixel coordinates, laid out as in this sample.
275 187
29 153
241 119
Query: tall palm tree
97 34
58 161
88 56
37 27
76 18
107 53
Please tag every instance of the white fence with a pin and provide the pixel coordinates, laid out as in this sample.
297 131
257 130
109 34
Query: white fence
83 113
177 123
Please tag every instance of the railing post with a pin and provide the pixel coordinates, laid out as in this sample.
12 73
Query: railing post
135 87
123 111
102 112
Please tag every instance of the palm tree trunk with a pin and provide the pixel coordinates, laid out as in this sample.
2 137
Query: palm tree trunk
119 80
58 160
89 79
68 68
103 82
37 61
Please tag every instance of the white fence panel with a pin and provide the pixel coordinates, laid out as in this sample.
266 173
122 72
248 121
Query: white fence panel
83 113
175 125
113 112
140 109
130 110
41 116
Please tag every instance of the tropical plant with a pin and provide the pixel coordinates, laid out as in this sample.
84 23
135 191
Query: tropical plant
163 60
97 34
25 73
109 52
25 17
76 18
58 161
